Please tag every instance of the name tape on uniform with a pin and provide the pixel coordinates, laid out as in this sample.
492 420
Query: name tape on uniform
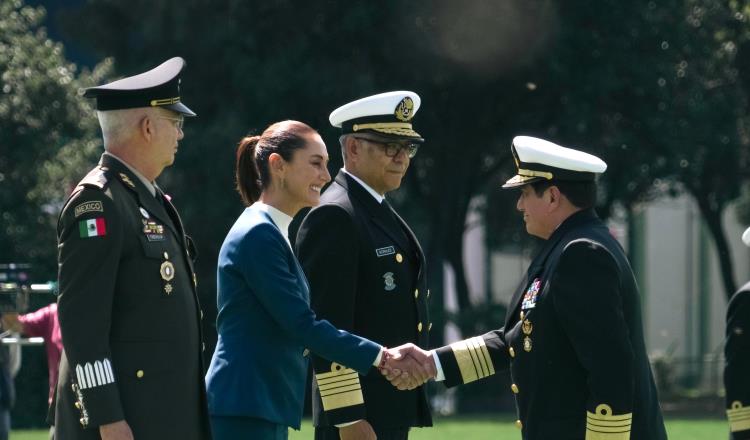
382 252
93 206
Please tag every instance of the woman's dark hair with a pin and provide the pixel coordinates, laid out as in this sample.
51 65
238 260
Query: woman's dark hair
251 170
581 194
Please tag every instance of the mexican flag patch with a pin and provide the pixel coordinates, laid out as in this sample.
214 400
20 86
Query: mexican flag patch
94 227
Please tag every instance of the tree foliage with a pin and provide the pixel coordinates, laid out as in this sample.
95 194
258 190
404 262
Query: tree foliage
46 132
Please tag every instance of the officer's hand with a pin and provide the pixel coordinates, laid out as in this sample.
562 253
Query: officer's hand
116 431
356 431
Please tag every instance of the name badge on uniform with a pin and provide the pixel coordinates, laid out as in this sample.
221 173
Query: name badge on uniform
529 298
382 252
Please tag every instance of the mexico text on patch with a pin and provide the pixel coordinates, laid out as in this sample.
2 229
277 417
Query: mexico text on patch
93 206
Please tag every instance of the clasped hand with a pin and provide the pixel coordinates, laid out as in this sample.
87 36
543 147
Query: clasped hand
408 366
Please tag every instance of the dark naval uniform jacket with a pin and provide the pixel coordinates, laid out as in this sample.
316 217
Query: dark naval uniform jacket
129 313
367 275
573 338
737 364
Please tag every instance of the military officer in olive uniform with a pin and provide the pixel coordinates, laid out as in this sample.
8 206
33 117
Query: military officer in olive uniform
128 309
737 360
366 269
573 335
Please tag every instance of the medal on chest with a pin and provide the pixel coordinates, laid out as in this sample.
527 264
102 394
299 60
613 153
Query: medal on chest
153 231
529 298
527 328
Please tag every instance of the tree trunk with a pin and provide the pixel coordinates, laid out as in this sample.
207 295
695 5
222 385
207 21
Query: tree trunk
712 215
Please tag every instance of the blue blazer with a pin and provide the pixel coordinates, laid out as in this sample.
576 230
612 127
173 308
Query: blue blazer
265 325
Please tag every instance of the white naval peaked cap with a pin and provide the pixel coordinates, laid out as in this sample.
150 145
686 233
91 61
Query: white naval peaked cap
746 237
537 159
386 114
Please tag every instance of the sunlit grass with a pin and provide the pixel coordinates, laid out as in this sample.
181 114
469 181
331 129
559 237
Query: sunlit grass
485 428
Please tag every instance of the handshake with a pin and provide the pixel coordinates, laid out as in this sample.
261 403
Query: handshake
407 366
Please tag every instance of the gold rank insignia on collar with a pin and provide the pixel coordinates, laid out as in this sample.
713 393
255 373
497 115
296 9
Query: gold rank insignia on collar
126 180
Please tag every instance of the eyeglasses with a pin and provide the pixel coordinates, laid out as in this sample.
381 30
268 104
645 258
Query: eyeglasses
178 122
393 149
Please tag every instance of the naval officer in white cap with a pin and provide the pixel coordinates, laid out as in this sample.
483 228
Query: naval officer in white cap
366 268
573 336
737 360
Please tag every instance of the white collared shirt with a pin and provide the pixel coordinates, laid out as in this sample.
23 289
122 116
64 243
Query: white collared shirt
281 219
150 186
378 197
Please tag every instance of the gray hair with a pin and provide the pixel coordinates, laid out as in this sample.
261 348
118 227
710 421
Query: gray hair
342 142
118 125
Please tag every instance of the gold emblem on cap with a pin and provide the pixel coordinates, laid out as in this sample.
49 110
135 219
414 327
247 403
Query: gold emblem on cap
167 271
527 327
405 109
168 289
399 258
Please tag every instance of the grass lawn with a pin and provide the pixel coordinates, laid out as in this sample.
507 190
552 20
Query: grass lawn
487 428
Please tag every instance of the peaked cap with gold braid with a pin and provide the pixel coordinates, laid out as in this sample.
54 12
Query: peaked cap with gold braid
537 159
386 114
159 87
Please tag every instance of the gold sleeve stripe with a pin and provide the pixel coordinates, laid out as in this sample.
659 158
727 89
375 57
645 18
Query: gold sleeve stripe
739 417
486 355
336 371
603 425
478 357
333 386
327 380
473 359
339 388
342 400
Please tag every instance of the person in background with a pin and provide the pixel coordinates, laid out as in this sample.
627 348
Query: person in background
41 323
10 363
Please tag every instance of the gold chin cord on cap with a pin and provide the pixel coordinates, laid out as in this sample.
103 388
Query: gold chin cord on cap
165 101
531 173
381 125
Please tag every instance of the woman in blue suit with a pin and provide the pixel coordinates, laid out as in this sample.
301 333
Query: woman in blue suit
256 381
